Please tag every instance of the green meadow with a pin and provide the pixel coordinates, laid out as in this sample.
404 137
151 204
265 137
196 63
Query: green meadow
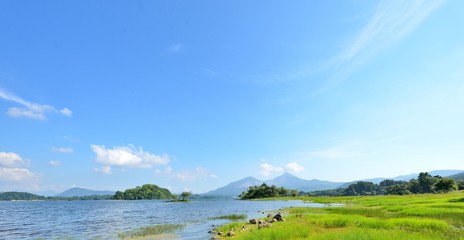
411 217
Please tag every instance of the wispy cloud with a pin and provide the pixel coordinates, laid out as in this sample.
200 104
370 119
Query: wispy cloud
29 109
62 150
391 22
186 175
104 170
127 156
54 163
175 48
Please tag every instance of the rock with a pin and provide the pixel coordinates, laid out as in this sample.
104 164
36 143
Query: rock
269 215
264 224
273 220
278 217
253 221
220 233
261 221
231 234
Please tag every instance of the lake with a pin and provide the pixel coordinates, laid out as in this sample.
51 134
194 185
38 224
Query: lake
105 219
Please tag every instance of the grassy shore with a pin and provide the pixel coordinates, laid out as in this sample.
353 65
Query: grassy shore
434 216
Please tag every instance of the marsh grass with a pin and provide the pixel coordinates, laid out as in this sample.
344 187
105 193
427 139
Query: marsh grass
435 216
154 232
232 217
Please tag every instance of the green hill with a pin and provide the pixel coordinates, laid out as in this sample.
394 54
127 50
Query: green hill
20 196
145 192
458 176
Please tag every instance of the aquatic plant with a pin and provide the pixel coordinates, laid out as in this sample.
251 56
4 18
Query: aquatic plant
232 217
151 231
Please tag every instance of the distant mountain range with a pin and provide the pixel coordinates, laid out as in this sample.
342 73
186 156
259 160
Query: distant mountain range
286 180
290 181
82 192
459 176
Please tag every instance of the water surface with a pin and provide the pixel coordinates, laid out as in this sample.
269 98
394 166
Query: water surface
105 219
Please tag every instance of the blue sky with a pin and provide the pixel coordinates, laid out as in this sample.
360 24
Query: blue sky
192 95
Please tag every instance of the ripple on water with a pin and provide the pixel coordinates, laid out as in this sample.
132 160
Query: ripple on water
105 219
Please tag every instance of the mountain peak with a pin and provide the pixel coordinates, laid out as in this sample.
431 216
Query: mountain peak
287 174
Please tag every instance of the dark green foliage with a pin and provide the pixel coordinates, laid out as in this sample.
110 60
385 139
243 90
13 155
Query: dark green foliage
264 191
445 185
460 184
185 195
363 189
425 183
23 196
147 191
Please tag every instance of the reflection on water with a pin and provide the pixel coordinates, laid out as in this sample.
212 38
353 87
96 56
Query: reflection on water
105 219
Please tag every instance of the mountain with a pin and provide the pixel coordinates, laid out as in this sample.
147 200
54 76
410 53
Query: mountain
81 192
235 188
458 176
286 180
290 181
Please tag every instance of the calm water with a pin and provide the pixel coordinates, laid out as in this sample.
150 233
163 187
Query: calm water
105 219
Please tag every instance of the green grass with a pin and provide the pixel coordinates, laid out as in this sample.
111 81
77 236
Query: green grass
232 217
151 232
434 216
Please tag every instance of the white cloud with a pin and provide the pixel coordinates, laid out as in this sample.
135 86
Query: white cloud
104 170
54 163
62 150
127 156
267 169
12 168
66 112
10 159
30 110
294 167
16 174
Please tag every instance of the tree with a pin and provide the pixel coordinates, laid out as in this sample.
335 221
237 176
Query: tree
185 195
294 192
445 185
460 184
361 188
264 191
426 182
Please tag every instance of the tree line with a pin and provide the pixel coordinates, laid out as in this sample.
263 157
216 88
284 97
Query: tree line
265 191
424 183
24 196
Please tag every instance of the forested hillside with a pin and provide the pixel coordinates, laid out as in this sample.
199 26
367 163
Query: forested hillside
147 191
